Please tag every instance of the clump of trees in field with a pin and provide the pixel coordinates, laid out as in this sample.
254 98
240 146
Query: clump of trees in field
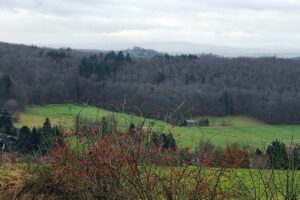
28 140
163 141
39 140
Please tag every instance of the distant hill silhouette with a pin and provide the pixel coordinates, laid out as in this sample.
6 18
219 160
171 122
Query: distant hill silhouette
141 52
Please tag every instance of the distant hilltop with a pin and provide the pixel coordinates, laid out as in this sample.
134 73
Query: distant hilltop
141 52
134 52
171 48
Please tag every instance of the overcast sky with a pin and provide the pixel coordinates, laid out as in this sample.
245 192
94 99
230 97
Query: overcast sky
113 24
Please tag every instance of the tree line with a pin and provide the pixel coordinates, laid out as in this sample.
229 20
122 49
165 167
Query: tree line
266 88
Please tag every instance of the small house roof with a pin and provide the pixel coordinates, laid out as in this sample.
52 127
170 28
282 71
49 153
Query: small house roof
190 121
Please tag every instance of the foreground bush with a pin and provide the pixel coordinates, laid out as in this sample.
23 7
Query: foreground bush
134 166
125 167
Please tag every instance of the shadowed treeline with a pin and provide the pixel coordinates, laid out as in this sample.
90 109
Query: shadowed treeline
265 88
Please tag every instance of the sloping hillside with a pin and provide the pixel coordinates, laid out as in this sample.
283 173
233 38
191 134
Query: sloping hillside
222 130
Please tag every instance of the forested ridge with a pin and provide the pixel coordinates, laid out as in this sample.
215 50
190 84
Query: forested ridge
266 88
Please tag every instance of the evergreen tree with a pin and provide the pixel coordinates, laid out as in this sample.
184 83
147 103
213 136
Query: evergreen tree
47 129
24 141
127 58
206 122
171 141
131 129
168 141
85 67
47 137
163 140
277 154
258 152
120 57
35 138
6 124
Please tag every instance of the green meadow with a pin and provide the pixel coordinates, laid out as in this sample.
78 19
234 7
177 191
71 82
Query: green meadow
221 131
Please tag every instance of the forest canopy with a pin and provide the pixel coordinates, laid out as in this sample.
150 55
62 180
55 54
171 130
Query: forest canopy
267 88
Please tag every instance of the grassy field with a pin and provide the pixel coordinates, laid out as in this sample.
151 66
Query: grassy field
222 130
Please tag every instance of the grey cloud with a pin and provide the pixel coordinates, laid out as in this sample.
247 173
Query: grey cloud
217 22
